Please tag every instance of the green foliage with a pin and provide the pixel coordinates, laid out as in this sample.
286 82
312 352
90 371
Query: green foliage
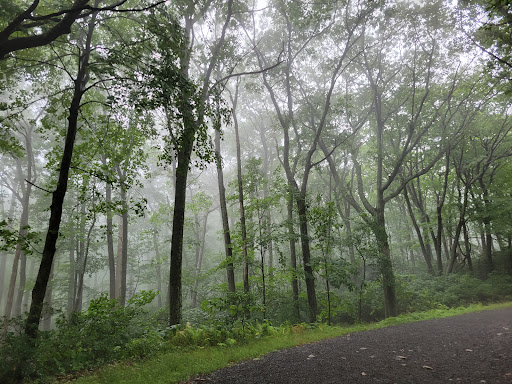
9 238
104 333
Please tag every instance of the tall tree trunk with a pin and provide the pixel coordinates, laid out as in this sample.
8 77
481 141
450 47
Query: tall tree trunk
39 291
386 267
306 257
267 222
3 255
119 258
426 254
293 258
71 275
83 263
21 285
191 125
46 322
245 253
467 246
458 230
200 247
22 233
230 270
158 267
110 236
123 265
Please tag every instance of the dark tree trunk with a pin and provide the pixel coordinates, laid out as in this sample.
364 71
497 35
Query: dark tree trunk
178 223
230 271
424 250
306 258
43 275
293 258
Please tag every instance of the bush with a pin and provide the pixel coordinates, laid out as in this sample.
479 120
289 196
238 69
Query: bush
103 333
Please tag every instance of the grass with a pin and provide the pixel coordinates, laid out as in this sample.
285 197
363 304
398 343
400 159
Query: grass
178 364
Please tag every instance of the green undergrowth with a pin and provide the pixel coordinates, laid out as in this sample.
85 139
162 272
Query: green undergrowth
180 361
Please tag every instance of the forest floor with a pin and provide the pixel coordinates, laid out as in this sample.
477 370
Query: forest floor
471 348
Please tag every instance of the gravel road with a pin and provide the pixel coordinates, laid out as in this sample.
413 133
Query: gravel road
472 348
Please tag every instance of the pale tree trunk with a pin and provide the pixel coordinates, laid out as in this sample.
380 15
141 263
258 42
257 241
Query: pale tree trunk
267 221
83 262
46 321
3 255
71 275
200 248
158 267
22 234
119 259
110 237
245 253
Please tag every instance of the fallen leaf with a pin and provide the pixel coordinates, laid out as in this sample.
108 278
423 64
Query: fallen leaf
427 367
363 374
311 356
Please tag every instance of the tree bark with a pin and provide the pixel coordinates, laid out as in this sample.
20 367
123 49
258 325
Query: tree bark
230 271
43 275
293 258
245 253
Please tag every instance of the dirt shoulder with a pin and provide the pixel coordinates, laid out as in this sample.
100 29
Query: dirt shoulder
471 348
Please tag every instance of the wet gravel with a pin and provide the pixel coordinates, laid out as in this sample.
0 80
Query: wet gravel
472 348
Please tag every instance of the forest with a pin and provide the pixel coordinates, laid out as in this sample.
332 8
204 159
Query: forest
230 166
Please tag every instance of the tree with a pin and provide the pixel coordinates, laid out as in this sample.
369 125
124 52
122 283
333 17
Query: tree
53 23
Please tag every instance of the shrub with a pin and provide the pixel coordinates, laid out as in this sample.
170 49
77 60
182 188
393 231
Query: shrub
103 333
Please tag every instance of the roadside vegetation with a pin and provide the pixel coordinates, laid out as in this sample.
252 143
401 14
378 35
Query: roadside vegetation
206 176
174 364
138 342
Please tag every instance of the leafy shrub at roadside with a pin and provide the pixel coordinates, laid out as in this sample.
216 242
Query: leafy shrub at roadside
103 333
420 293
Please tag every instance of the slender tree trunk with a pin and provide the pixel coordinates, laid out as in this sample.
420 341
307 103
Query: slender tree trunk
124 247
230 271
39 291
467 245
71 275
3 255
458 230
426 255
110 238
158 267
18 254
200 246
119 259
21 285
245 260
83 263
46 322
